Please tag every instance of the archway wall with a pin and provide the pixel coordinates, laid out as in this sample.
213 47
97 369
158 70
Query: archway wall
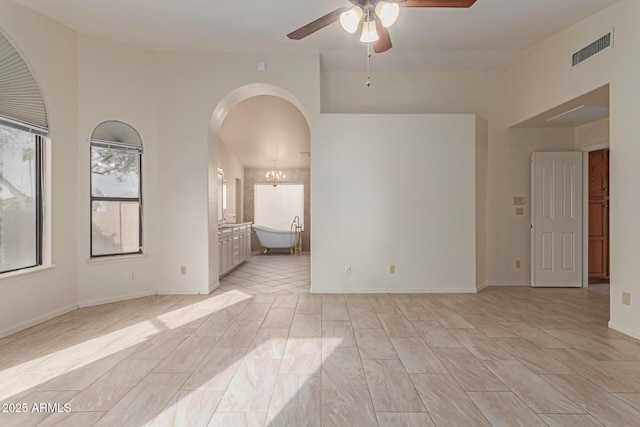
195 91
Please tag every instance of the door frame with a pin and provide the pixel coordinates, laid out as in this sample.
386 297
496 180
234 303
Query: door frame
585 208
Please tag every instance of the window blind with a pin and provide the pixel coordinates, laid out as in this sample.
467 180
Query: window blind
116 133
21 102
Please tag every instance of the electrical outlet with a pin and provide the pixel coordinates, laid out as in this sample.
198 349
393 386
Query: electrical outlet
392 268
132 276
183 270
626 298
519 211
347 268
518 263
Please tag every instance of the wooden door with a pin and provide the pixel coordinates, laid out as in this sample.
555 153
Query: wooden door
599 215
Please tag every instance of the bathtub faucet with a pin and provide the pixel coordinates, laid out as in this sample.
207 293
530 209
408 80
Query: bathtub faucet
296 223
296 229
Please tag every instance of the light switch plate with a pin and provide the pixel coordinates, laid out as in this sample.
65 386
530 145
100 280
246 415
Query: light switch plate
519 211
518 201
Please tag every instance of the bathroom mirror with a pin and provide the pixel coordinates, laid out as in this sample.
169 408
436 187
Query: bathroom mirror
220 197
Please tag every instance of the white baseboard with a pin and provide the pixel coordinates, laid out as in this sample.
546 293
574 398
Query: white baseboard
627 331
179 292
37 320
393 291
482 287
528 285
118 298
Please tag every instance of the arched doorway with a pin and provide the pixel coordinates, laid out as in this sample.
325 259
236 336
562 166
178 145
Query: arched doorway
252 127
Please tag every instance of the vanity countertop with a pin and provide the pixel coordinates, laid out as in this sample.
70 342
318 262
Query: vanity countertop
223 226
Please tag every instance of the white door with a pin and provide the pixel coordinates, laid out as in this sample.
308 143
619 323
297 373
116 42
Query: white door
556 219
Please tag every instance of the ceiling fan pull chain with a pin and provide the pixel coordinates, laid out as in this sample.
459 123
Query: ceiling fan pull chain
368 61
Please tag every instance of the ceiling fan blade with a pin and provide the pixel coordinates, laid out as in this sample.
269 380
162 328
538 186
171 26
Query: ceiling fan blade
319 23
383 43
436 3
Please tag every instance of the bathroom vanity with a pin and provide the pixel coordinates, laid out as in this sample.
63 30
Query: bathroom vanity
234 245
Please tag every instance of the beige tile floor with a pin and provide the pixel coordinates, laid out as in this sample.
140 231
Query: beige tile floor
270 274
251 356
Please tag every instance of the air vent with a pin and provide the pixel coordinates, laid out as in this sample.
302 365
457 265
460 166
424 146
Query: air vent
597 46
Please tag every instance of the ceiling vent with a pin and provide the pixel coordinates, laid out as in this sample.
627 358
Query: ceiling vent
588 51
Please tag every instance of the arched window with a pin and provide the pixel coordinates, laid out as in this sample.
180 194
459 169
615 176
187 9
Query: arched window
116 190
23 126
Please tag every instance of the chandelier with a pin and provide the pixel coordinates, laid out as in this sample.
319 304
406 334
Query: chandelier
274 176
386 12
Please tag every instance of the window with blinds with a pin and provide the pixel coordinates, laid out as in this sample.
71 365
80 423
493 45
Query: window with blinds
23 125
116 187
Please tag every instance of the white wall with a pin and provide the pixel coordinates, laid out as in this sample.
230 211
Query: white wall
482 207
541 79
117 82
190 86
50 50
509 176
393 189
480 93
232 169
212 191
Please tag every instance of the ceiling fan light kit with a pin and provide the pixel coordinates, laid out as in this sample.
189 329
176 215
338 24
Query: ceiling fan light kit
350 19
387 12
369 33
378 16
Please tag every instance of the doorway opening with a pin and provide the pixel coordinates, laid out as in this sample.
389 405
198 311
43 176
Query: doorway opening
598 217
252 128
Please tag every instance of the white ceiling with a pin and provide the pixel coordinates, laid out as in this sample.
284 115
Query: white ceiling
489 35
265 128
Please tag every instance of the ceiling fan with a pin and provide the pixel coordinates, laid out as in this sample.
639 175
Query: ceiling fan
376 16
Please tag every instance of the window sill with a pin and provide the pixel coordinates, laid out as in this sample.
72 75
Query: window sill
26 271
116 258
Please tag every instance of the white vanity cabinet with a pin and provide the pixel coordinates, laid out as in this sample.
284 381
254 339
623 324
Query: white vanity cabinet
234 246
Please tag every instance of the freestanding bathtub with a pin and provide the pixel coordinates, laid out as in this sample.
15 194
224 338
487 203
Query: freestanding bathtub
275 239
